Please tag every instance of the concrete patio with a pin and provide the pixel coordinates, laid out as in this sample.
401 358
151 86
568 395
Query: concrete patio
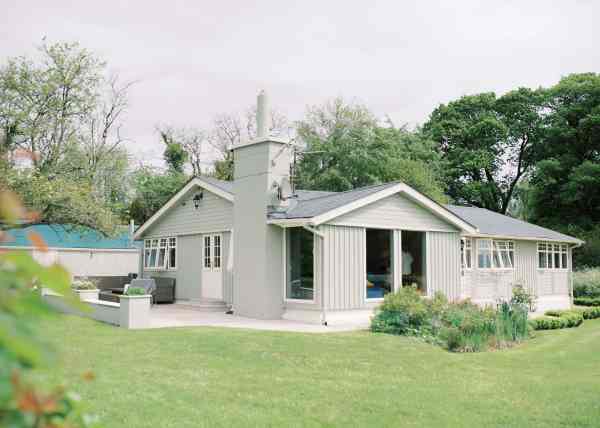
173 315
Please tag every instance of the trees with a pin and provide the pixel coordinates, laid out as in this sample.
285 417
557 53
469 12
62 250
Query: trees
566 180
347 148
488 144
61 117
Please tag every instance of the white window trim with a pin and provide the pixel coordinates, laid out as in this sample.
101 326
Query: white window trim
464 241
165 267
562 249
211 237
285 268
492 268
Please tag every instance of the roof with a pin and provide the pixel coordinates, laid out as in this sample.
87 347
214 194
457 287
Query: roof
496 224
311 204
60 236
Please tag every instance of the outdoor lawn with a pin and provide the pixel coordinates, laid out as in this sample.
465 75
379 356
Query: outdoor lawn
227 377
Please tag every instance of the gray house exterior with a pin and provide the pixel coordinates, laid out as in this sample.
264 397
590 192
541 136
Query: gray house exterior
271 253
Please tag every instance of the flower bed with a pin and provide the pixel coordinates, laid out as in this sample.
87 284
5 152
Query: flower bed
462 326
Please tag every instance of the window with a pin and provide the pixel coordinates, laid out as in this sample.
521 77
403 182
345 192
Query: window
466 252
552 256
217 251
299 264
492 254
207 258
379 263
172 253
160 253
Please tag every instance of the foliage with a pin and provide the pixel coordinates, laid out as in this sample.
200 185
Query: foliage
23 403
61 119
461 326
557 320
589 313
152 190
586 283
175 156
488 144
135 291
346 148
520 296
587 301
83 284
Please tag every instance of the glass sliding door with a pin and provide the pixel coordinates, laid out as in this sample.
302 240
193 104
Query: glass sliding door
300 264
379 263
414 263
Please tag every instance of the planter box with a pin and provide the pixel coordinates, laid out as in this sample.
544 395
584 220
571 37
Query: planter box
87 294
135 311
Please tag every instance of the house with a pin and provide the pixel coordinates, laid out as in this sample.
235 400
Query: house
271 252
83 252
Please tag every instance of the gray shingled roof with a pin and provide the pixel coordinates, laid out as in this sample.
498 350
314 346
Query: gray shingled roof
492 223
311 203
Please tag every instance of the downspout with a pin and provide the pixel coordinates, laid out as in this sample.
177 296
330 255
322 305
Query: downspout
321 271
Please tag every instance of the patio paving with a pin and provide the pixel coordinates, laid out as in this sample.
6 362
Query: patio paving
163 316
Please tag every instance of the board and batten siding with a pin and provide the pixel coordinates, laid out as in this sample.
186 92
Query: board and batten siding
394 212
214 214
443 264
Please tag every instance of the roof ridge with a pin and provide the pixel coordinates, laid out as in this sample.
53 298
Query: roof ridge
370 186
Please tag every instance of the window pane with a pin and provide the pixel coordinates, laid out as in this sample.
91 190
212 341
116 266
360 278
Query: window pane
162 254
172 242
152 258
172 257
542 260
469 258
217 251
207 252
557 260
564 261
549 257
147 257
299 264
462 253
506 261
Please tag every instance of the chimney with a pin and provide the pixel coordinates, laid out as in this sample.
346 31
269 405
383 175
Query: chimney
261 166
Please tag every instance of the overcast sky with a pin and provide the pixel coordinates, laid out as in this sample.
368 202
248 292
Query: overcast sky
195 59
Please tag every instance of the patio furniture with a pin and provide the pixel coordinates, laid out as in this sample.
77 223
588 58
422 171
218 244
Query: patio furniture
165 290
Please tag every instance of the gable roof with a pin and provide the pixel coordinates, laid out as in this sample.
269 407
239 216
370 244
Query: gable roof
496 224
220 188
61 236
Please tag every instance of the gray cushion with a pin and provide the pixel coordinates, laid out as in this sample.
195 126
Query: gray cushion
147 284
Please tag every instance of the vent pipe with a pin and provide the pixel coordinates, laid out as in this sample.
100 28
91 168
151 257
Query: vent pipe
263 115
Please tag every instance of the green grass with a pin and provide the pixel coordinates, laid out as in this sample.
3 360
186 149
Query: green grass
226 377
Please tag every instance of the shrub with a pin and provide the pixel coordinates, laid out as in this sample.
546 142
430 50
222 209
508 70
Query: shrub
587 301
83 284
520 296
557 319
135 291
586 283
461 326
589 313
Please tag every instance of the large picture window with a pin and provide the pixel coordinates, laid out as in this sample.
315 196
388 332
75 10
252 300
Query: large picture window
552 256
300 264
160 253
493 254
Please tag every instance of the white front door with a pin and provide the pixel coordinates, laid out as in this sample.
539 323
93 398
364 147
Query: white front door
212 278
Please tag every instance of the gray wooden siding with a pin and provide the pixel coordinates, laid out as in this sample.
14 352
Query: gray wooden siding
227 268
443 264
394 212
214 214
344 267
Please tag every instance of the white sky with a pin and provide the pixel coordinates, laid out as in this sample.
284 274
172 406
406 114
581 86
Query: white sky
195 59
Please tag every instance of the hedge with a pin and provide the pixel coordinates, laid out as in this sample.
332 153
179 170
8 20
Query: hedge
587 301
590 313
557 319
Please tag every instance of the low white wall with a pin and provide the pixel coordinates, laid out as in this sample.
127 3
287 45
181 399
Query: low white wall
134 313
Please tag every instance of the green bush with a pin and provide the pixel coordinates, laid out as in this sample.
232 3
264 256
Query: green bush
587 301
589 313
135 291
461 326
586 283
557 319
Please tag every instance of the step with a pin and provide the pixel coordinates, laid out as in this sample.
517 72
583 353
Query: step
204 305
